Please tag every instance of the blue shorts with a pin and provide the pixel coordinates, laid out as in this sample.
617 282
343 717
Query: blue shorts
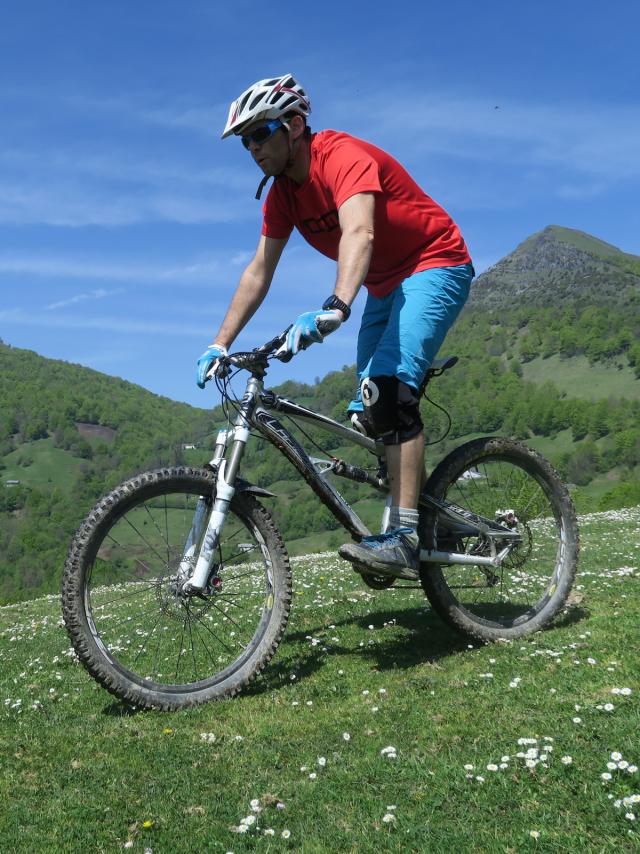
401 333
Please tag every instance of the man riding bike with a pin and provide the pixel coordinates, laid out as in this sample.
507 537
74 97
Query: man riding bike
357 205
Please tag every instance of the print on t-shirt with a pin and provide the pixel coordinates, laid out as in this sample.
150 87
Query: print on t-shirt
325 222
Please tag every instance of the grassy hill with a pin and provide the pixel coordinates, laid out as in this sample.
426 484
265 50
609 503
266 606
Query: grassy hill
510 747
577 377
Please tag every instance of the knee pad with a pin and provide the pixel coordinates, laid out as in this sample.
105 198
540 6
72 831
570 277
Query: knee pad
391 408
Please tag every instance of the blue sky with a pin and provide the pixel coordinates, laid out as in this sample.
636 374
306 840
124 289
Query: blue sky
125 221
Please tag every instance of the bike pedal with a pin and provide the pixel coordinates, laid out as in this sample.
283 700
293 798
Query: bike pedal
399 573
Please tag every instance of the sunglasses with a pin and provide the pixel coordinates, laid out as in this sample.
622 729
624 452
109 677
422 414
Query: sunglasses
261 134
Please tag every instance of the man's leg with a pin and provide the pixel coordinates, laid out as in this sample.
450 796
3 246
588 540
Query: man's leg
405 466
423 309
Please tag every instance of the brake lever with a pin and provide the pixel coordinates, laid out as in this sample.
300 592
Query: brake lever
284 355
221 370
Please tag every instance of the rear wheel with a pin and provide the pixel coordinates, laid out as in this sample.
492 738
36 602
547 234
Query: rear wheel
505 482
131 625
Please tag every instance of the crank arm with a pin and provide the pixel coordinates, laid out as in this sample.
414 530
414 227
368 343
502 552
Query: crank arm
432 556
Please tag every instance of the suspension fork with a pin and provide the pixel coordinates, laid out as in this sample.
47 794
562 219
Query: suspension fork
226 473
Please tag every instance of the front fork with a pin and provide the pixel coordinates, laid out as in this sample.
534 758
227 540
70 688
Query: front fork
226 472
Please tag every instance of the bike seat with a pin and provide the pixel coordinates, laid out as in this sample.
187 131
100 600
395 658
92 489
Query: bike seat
439 366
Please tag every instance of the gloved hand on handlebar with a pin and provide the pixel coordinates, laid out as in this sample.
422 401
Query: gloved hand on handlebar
210 360
311 327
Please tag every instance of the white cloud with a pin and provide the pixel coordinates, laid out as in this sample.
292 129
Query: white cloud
118 182
99 293
19 317
480 155
205 270
181 115
58 202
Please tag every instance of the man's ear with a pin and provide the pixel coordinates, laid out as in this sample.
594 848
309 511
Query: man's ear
296 126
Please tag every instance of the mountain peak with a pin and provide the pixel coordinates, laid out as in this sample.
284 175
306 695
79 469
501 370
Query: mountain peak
559 264
579 239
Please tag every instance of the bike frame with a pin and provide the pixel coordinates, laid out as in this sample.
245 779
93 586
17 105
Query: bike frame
257 410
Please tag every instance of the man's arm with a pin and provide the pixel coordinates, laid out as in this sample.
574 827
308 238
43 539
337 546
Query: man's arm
252 289
356 217
354 255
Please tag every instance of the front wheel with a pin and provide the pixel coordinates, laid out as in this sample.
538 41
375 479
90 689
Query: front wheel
131 625
505 482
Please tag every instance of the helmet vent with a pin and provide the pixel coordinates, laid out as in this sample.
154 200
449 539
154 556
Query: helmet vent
243 103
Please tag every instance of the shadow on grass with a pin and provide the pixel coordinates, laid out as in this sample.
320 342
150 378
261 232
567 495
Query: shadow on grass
120 709
574 614
425 640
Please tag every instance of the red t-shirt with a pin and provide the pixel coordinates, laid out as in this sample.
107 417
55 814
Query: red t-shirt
411 231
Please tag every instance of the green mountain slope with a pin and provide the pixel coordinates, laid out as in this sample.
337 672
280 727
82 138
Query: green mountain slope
545 356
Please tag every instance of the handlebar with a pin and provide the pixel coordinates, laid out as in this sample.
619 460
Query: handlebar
259 357
253 359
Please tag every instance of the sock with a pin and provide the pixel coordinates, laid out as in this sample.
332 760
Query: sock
405 517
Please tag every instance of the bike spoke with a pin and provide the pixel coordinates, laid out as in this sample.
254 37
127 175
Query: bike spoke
196 625
163 537
153 549
125 596
226 616
213 634
150 635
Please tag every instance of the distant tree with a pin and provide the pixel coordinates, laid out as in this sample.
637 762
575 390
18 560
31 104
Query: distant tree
583 464
529 347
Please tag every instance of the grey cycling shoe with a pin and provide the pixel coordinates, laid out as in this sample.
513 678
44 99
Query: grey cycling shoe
390 554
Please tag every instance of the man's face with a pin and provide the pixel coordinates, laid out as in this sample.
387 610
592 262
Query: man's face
273 154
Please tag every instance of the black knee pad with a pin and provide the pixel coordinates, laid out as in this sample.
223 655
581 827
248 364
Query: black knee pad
391 407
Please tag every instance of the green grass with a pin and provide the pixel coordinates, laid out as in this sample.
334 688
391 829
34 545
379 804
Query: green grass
577 378
552 447
83 773
41 465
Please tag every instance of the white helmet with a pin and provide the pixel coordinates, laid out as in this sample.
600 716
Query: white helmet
267 99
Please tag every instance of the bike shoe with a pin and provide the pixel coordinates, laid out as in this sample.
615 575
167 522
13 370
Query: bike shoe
390 554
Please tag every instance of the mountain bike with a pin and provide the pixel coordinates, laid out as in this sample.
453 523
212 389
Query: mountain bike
177 586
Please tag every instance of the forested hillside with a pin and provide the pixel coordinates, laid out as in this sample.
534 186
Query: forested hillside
548 353
67 434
